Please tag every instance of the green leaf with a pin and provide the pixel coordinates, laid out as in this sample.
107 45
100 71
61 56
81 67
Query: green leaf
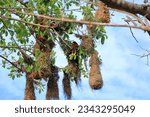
3 63
87 13
11 76
40 91
29 68
60 4
66 36
72 56
102 40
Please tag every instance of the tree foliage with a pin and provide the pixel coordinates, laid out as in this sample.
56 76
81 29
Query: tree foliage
30 29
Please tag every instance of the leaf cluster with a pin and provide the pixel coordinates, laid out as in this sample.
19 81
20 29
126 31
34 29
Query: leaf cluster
15 34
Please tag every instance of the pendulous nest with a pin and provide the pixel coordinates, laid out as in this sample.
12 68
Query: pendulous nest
67 86
29 90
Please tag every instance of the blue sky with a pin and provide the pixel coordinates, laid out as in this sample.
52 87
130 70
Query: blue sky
125 76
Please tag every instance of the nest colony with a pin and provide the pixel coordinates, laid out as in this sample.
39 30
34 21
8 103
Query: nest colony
49 72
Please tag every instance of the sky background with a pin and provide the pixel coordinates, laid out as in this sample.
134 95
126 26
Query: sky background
125 76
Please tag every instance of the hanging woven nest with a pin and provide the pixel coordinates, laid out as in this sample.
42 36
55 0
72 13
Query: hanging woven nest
102 13
95 77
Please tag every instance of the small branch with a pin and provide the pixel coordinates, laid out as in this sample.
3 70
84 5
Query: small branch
130 14
147 54
141 56
25 8
1 46
11 63
129 19
10 18
60 39
27 58
132 33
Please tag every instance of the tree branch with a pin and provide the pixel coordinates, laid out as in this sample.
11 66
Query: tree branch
27 58
1 46
23 8
130 14
10 18
146 28
11 63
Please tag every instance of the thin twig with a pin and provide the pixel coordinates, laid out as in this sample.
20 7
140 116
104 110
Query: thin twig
147 60
1 46
141 56
23 8
133 33
130 14
10 18
144 55
60 38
